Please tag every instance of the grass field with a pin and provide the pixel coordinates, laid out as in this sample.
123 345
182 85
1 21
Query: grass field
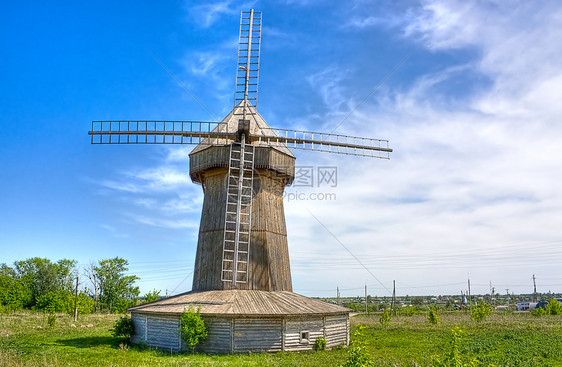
515 339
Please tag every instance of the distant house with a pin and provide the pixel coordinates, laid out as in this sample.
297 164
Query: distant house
526 306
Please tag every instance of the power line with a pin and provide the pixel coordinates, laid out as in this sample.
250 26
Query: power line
355 257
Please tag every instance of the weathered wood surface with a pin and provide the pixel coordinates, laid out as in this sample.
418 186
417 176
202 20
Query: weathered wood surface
266 158
139 326
218 336
243 303
269 267
163 332
258 126
294 328
234 334
336 330
257 335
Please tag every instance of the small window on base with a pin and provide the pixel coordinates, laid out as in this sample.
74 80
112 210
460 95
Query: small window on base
305 335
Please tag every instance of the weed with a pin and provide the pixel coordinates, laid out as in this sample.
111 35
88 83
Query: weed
386 315
51 320
358 352
433 315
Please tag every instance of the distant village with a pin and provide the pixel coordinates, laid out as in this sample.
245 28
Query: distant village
406 304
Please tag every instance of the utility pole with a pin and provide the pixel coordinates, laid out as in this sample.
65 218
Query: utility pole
366 305
76 300
507 291
491 292
534 289
469 296
338 295
394 297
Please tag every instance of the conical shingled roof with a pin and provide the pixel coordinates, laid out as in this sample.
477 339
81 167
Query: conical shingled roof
258 126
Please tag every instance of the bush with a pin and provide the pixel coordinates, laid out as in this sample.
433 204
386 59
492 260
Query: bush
409 311
538 312
192 327
553 307
358 353
55 302
85 304
433 315
386 316
320 344
481 311
123 328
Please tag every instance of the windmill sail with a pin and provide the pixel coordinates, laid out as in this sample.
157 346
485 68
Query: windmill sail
248 65
227 156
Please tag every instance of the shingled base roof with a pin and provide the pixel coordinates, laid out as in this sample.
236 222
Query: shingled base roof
242 303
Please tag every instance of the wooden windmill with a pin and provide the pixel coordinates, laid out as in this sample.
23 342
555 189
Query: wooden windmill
243 166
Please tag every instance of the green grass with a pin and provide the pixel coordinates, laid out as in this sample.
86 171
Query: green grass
517 339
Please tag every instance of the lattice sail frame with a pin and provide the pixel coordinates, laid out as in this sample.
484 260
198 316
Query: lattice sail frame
248 64
195 132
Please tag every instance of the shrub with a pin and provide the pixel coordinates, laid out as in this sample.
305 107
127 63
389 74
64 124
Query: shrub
386 316
553 307
481 311
409 311
123 328
192 327
85 304
55 302
538 312
320 344
433 315
358 354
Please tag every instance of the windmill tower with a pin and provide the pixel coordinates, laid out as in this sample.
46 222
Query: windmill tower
242 278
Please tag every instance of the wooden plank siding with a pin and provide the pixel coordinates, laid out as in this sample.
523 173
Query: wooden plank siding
139 327
238 335
336 329
163 332
293 329
218 336
257 335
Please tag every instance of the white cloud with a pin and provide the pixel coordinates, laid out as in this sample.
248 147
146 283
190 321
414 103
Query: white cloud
479 173
207 14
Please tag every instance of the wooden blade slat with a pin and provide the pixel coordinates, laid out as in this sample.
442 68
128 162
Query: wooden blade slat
324 142
159 132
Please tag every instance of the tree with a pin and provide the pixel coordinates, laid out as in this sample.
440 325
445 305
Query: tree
151 296
117 290
13 294
90 272
41 277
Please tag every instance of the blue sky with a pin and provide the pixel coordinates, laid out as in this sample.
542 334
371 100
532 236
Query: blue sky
473 114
